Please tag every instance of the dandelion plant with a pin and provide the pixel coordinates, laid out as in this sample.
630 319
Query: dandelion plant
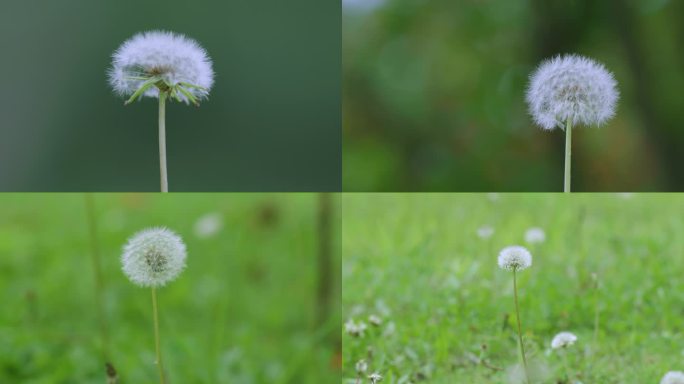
561 342
570 90
152 258
673 377
162 65
516 258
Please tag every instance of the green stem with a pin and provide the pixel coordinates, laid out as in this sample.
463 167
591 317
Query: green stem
156 336
568 150
162 141
517 314
565 363
97 271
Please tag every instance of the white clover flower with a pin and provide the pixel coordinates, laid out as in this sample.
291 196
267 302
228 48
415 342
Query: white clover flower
563 339
485 232
153 257
375 378
179 62
361 367
535 235
515 257
673 377
574 88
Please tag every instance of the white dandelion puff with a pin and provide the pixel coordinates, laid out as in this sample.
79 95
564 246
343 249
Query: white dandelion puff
375 378
355 329
485 232
173 60
515 257
153 257
535 235
673 377
361 367
375 320
572 89
563 340
208 225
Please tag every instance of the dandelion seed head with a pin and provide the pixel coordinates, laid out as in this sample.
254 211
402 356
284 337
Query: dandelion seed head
515 257
173 57
355 329
673 377
208 225
535 235
361 367
153 257
563 339
574 88
375 320
375 378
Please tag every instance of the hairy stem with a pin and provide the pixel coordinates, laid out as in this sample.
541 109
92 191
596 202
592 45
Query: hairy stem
517 314
162 142
568 150
156 336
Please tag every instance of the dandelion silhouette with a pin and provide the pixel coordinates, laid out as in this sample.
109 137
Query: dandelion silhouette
673 377
570 90
516 258
152 258
161 65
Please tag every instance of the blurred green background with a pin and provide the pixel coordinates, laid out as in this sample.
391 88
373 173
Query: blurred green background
245 310
418 262
272 122
433 94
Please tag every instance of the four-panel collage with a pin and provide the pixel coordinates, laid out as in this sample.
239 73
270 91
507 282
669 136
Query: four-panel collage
342 191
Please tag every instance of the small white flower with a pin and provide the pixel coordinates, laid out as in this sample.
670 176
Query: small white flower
535 235
673 377
515 257
208 225
375 378
563 339
172 57
485 232
355 329
375 320
574 88
361 367
153 257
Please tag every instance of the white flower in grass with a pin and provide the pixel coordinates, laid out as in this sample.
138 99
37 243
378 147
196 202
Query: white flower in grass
375 378
673 377
361 367
485 232
153 257
375 320
535 235
515 257
355 329
563 340
170 60
574 88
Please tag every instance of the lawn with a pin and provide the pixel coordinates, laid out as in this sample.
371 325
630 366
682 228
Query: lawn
610 271
243 311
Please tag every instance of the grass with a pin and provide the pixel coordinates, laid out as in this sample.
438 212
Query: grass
244 310
447 308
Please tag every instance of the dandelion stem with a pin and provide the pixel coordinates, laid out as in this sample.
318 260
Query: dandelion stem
568 150
156 336
565 363
517 314
97 271
162 142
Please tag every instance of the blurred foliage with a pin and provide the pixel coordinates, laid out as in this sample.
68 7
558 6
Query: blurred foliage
419 264
433 94
243 311
272 121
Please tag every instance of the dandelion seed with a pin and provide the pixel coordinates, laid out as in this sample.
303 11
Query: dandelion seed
485 232
153 257
515 258
535 235
673 377
361 367
570 90
563 340
375 378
